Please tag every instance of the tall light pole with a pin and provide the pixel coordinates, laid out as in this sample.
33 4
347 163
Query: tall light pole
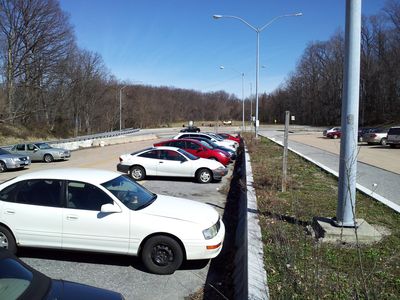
242 74
258 30
120 107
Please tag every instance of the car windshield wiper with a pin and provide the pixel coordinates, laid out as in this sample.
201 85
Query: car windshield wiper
147 203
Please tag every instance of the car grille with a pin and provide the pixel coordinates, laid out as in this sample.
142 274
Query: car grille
23 158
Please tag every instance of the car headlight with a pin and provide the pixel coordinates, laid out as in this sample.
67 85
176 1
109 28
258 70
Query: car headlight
211 232
222 168
15 159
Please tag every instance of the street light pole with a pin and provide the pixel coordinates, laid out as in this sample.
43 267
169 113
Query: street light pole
120 107
258 30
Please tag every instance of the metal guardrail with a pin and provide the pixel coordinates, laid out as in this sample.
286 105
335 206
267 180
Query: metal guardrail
109 134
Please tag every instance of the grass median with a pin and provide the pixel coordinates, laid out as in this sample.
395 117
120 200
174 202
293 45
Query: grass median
300 266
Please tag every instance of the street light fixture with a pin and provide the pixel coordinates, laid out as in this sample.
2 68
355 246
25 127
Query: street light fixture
242 74
258 30
120 107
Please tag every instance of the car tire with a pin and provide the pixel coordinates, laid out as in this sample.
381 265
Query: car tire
162 255
204 176
7 240
48 158
197 130
137 173
383 141
3 167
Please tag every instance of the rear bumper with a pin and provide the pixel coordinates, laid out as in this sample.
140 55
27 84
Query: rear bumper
123 168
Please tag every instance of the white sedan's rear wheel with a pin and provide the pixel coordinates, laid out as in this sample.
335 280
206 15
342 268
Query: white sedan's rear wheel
137 173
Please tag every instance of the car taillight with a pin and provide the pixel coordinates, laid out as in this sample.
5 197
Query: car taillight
373 135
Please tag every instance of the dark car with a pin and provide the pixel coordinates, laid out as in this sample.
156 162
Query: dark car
393 136
20 281
190 129
364 130
199 149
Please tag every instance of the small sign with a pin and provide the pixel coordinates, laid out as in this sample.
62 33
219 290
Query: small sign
293 118
257 123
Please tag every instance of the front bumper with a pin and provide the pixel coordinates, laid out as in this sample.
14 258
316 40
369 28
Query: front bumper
206 249
18 165
219 173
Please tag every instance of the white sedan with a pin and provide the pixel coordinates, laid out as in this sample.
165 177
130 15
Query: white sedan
103 211
170 161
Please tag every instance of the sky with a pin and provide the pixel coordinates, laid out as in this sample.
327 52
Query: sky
177 43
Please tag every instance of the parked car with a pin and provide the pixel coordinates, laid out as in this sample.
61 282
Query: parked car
329 130
190 129
218 140
364 130
393 136
20 281
10 161
41 152
228 136
104 211
334 133
213 145
170 161
376 136
198 149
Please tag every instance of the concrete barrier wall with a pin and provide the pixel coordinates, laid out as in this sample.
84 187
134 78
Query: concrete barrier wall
76 145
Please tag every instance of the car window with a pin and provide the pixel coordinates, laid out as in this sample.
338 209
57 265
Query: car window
20 147
31 147
15 279
178 144
43 192
131 194
171 155
394 131
193 146
184 136
43 146
205 144
86 196
188 155
150 154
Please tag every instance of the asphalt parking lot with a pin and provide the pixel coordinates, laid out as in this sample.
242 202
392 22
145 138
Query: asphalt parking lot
120 273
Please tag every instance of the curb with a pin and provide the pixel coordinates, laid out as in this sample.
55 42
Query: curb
257 276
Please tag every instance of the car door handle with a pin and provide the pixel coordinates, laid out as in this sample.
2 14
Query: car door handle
71 217
9 212
160 162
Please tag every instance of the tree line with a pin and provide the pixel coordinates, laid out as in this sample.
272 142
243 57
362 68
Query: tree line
313 92
48 82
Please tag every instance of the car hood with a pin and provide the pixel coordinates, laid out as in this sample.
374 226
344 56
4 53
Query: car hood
183 209
12 155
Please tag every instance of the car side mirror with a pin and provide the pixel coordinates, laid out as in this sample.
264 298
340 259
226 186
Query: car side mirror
110 208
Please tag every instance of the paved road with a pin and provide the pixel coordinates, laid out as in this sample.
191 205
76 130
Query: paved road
116 272
379 183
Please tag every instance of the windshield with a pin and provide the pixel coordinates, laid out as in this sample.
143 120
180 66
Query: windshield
188 155
218 138
14 279
131 194
43 146
2 151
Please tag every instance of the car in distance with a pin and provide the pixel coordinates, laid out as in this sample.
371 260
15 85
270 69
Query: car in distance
218 140
228 136
213 145
20 281
170 161
9 161
41 152
333 129
104 211
198 149
393 136
376 136
190 129
334 133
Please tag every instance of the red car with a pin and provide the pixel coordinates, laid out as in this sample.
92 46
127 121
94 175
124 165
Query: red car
198 149
228 136
334 133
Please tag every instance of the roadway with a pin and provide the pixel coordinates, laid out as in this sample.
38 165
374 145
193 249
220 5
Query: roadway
378 168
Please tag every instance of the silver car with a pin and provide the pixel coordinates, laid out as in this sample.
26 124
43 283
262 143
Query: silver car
10 161
41 152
